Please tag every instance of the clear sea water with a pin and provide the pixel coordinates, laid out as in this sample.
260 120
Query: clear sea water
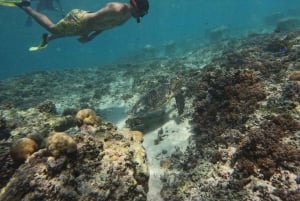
168 20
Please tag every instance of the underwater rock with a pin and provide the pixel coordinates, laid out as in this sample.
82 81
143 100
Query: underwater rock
138 136
4 131
218 33
25 133
288 24
47 107
32 121
69 111
273 18
111 167
64 123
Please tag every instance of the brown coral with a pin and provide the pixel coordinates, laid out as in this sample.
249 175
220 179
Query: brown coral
295 76
87 117
59 143
22 149
264 149
231 99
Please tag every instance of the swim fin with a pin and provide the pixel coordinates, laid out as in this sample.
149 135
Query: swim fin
14 3
9 3
42 45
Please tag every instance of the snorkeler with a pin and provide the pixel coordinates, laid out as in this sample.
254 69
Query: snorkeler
86 25
47 5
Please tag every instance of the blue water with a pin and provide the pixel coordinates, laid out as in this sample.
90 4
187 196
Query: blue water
168 20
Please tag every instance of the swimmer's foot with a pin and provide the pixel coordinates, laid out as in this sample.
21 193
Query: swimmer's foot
14 3
44 42
42 45
24 3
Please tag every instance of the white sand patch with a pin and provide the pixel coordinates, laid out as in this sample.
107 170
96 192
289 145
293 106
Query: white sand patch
115 112
177 136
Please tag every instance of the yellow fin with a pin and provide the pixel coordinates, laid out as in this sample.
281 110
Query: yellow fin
31 49
36 48
9 3
43 44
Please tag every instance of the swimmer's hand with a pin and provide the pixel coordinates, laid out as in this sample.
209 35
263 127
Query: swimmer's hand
87 38
83 39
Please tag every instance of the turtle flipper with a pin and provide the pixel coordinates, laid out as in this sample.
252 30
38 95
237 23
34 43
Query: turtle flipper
179 98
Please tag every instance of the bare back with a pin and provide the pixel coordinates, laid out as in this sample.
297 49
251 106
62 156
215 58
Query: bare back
113 14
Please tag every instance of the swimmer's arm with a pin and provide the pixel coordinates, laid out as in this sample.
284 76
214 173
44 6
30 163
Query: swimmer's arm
87 38
93 35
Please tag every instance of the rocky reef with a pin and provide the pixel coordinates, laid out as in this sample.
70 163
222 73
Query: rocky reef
229 131
91 162
246 126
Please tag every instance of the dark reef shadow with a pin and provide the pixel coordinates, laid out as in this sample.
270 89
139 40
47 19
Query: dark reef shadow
113 114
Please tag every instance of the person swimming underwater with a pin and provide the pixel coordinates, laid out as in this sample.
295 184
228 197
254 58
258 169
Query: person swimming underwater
86 25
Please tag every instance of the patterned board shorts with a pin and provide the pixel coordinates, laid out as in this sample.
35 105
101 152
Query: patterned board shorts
72 24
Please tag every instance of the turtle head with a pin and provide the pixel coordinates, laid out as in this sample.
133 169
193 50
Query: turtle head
176 84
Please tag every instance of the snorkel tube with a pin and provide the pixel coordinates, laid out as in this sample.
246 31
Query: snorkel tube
141 8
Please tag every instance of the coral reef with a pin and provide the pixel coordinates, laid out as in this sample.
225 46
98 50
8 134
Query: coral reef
102 169
246 120
263 150
231 98
240 95
111 164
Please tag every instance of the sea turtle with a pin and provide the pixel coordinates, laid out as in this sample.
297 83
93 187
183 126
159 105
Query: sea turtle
150 108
